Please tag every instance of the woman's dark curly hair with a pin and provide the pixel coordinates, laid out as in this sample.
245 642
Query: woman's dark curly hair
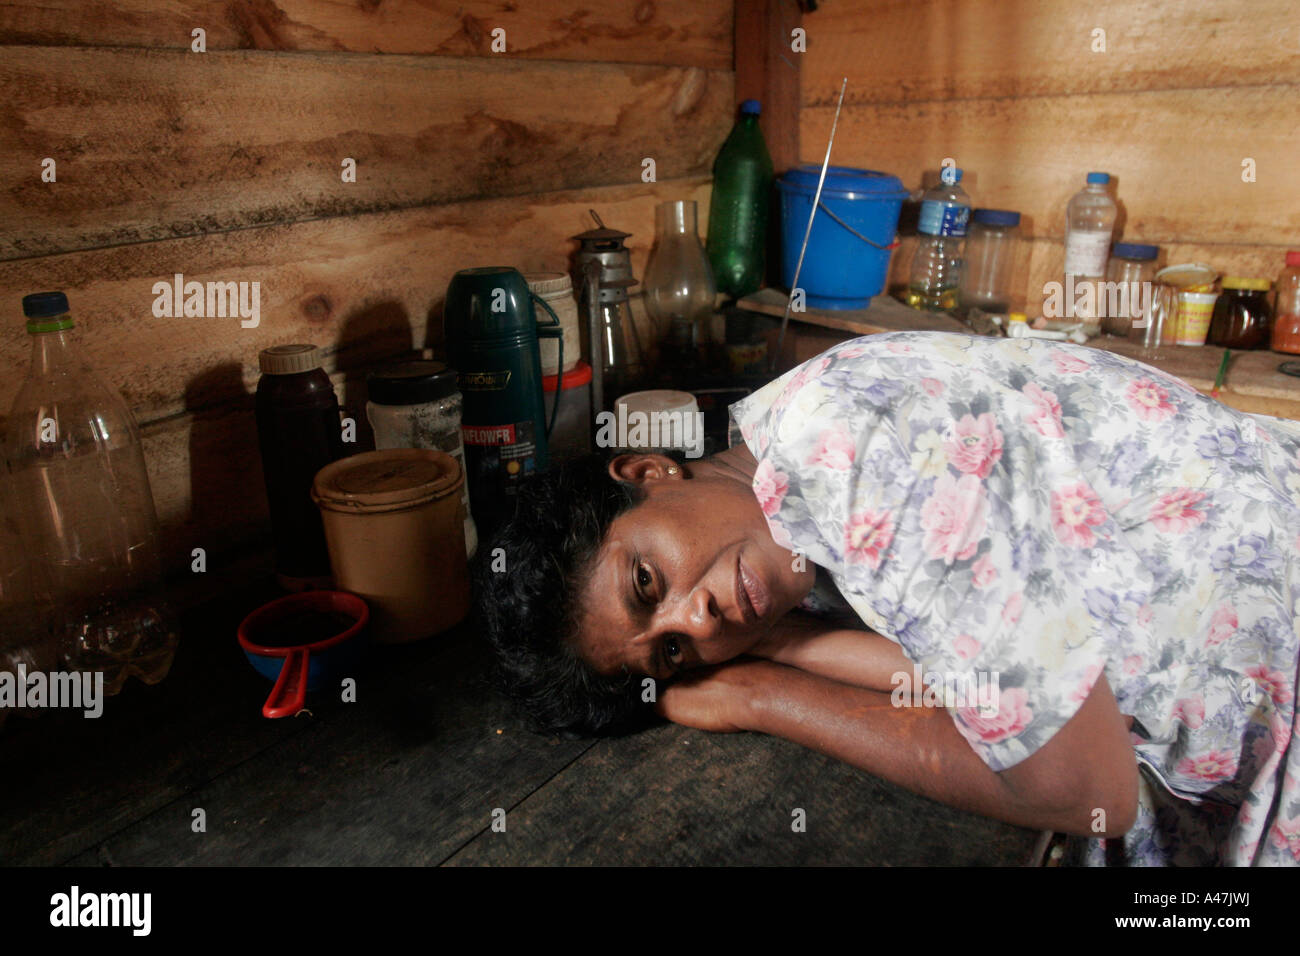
530 610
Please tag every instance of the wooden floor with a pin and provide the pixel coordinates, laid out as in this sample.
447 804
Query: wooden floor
412 773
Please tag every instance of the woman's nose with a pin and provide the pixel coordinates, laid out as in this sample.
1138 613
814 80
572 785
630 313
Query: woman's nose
698 615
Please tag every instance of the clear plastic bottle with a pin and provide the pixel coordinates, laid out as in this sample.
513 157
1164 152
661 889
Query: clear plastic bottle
936 267
26 644
742 182
1089 224
990 254
85 509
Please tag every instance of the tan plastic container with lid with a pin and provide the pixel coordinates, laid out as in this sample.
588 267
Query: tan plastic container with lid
394 524
556 290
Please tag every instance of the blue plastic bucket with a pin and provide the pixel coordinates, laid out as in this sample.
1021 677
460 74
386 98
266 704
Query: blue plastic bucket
841 270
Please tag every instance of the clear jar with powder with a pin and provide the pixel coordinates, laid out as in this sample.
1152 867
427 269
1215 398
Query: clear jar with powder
418 405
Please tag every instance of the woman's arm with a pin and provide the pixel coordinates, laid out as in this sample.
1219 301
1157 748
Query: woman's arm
1087 767
858 657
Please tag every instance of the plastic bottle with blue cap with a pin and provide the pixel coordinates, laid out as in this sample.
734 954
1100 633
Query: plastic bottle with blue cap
936 267
1089 223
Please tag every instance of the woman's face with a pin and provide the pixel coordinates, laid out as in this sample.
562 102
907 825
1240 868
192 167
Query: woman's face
687 578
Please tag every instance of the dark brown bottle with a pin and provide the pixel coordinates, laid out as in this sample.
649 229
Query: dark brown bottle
1242 318
298 433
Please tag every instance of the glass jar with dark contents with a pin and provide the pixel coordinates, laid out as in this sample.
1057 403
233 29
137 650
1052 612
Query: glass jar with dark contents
1242 317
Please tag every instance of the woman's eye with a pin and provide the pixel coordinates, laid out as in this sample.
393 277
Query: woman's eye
643 581
673 649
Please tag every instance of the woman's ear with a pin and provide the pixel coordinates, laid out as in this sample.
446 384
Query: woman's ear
638 469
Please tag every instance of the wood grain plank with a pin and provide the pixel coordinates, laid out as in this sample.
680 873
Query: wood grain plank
155 144
667 32
768 70
362 287
673 796
1175 156
911 50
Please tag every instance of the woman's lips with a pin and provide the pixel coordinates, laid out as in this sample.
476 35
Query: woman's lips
755 600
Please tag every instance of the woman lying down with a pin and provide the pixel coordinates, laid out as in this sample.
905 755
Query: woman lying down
1092 569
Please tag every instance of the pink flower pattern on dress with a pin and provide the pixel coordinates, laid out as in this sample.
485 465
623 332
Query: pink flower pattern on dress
1013 715
1148 400
1176 512
1076 511
933 387
1068 364
1272 682
966 647
1213 766
770 487
1190 710
834 449
1222 625
983 572
1045 412
975 446
868 537
954 518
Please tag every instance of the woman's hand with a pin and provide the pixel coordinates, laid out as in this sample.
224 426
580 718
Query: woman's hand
717 698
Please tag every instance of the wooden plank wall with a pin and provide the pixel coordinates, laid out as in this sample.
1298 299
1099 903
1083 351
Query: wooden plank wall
225 165
1013 91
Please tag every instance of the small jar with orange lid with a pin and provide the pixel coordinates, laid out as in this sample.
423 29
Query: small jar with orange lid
1242 318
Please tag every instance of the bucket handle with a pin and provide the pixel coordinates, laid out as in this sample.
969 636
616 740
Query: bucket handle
556 332
893 245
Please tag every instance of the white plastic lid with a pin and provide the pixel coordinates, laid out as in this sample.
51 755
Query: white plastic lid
659 400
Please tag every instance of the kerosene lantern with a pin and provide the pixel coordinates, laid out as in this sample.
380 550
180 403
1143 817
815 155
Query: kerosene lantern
603 270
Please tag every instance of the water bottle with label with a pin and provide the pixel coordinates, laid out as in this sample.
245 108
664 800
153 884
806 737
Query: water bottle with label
1089 222
936 268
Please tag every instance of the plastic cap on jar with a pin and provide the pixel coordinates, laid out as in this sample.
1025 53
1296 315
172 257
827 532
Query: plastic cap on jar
1135 250
411 383
996 217
1293 257
548 284
1246 282
47 312
1100 179
751 108
288 359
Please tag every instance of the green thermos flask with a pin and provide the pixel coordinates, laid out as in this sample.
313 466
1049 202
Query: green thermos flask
491 334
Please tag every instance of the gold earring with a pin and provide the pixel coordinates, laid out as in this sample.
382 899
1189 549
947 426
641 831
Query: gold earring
673 469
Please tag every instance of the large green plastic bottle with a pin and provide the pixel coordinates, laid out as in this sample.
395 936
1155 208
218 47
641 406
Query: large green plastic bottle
742 183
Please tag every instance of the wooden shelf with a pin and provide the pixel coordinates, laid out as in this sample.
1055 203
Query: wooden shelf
1253 382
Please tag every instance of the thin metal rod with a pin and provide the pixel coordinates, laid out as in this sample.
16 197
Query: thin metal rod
785 319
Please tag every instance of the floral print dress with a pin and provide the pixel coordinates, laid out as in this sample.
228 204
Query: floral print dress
1039 514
